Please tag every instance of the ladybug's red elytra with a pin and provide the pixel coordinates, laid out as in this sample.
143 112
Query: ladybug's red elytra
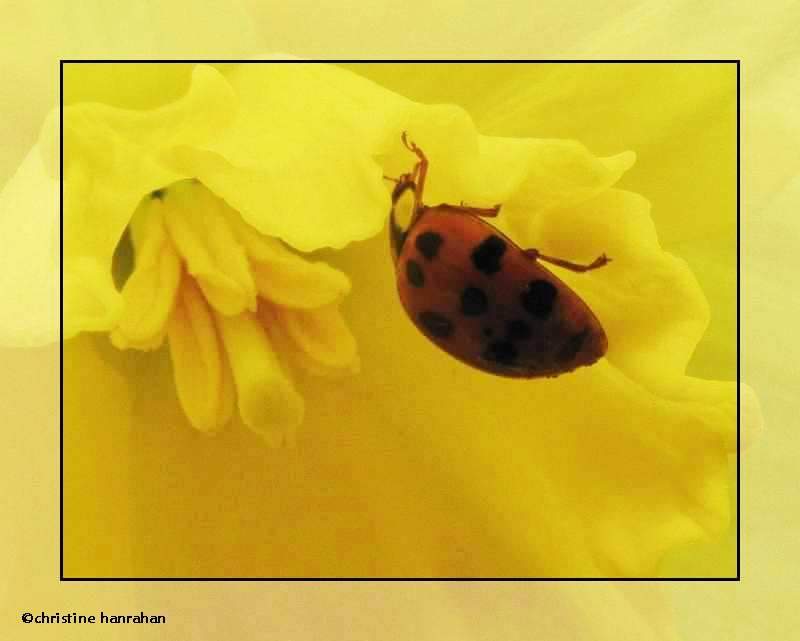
481 298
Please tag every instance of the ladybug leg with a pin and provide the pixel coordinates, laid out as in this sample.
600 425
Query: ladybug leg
595 264
420 169
484 212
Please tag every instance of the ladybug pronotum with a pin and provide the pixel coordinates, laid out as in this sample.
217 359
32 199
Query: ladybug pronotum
481 298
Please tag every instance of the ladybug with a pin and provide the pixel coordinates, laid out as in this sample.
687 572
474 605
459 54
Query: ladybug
480 297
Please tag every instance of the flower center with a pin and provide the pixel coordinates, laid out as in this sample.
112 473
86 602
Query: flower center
238 310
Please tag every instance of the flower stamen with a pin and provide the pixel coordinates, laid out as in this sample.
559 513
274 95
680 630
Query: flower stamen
202 375
239 310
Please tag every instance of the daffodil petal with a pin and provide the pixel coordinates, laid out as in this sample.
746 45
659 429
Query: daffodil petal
29 261
202 375
647 300
448 137
605 474
752 416
112 159
539 175
349 122
322 336
268 402
98 409
90 301
654 314
524 175
298 283
601 471
205 240
616 222
116 154
283 277
149 293
287 279
126 86
299 163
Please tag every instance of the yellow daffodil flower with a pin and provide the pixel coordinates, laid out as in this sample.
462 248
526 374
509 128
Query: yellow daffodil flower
243 220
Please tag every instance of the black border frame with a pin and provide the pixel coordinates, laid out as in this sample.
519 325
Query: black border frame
736 578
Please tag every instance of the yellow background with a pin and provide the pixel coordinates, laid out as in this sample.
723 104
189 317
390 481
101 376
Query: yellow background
349 500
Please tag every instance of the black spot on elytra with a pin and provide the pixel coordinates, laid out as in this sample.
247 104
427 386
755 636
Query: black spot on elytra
486 256
414 273
501 352
518 330
158 194
436 324
473 301
428 244
571 348
538 298
488 332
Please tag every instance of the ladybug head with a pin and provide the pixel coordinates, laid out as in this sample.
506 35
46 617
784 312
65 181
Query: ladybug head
401 214
405 182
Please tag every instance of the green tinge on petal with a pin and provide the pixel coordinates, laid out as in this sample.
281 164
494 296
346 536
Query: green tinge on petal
205 240
321 337
268 402
202 376
149 294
